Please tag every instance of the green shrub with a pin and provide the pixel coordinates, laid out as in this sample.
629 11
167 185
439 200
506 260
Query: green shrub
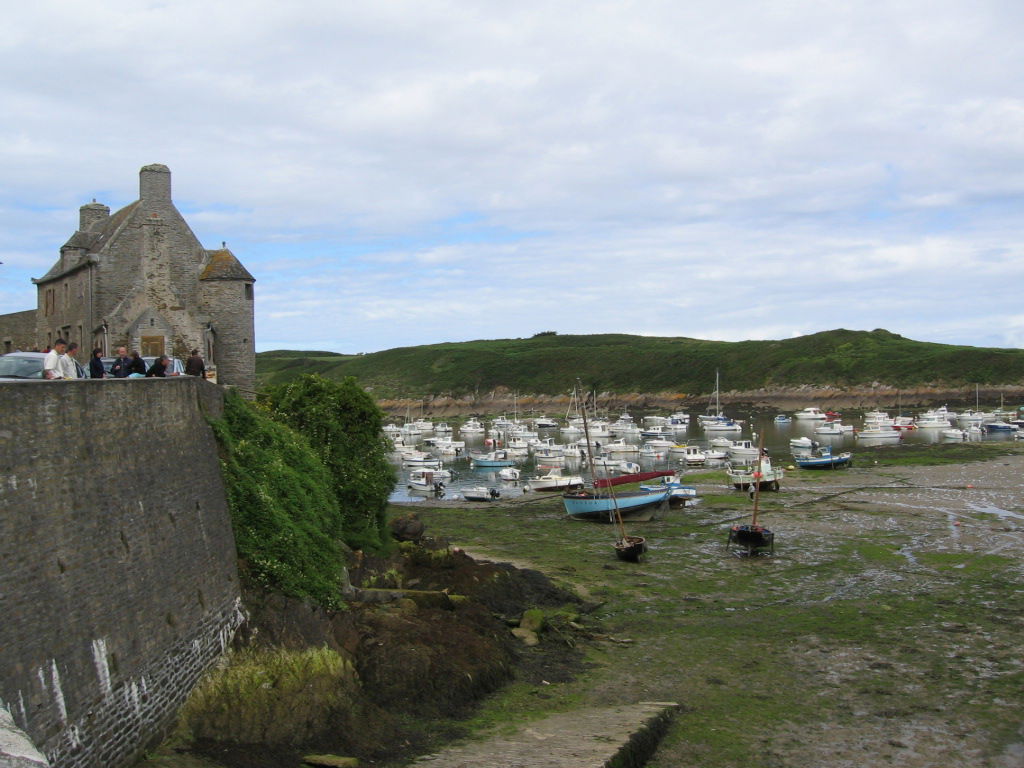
343 424
283 509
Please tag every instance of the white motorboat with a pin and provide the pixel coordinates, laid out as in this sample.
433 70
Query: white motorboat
810 414
953 434
472 427
727 425
715 454
656 431
660 442
879 434
429 480
763 473
509 474
650 451
544 422
554 480
801 444
621 446
833 428
692 455
549 456
743 450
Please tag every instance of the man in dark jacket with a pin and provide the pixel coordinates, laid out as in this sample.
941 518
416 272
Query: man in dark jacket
159 367
195 366
121 366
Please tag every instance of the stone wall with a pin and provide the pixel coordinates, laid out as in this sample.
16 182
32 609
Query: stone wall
18 331
119 584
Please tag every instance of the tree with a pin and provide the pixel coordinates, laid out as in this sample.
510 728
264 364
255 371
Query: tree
343 424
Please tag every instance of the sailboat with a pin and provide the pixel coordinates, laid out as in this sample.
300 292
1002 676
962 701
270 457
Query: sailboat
753 538
713 414
609 506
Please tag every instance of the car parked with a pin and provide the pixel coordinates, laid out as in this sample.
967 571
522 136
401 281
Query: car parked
28 365
177 368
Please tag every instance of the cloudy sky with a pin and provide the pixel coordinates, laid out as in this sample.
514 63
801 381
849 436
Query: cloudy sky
403 173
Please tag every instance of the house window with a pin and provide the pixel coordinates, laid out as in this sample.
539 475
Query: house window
248 291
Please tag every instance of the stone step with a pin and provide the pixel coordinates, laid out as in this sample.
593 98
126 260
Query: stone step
587 738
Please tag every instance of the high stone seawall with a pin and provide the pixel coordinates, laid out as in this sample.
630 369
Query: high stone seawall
118 577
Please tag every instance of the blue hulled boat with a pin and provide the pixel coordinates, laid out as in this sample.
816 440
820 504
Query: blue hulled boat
632 505
824 459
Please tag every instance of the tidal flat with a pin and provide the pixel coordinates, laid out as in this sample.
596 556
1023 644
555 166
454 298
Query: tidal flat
886 629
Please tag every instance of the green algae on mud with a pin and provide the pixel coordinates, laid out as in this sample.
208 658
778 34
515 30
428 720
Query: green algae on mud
887 624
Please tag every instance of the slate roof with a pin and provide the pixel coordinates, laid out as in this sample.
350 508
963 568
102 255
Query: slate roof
89 242
224 266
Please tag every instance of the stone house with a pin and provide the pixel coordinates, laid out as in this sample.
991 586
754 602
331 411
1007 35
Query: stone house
140 278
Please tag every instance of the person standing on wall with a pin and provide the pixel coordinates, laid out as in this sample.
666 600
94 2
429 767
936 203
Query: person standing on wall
122 364
195 366
68 363
96 365
51 363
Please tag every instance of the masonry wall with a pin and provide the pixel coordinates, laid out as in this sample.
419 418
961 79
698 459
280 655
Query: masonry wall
118 585
18 331
234 343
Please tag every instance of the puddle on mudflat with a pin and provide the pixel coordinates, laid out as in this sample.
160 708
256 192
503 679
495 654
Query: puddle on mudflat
988 510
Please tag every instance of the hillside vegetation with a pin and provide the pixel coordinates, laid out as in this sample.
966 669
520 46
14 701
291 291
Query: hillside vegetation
619 363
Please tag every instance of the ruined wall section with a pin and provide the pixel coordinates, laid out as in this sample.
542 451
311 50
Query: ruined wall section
119 586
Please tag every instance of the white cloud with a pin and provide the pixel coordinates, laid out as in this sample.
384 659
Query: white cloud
402 173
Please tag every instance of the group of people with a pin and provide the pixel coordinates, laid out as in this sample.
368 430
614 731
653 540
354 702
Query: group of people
60 363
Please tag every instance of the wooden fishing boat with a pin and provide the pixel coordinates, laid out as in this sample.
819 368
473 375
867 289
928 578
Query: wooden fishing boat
593 505
752 538
631 548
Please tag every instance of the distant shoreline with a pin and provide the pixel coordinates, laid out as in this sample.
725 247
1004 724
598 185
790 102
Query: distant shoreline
783 399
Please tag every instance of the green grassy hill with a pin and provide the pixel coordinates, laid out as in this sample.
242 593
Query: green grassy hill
550 363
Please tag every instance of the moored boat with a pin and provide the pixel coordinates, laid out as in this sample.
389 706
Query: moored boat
500 458
481 493
631 505
810 414
879 434
554 480
763 474
824 459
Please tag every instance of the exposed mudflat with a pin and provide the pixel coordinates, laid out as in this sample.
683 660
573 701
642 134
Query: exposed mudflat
886 630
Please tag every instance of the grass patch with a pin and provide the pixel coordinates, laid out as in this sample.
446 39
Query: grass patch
271 697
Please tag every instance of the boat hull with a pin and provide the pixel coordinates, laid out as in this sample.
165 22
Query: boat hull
632 505
754 539
631 548
826 462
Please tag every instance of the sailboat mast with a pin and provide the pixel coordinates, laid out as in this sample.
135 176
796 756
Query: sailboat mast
593 474
757 479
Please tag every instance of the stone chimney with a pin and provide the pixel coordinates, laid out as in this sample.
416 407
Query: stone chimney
91 213
155 184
